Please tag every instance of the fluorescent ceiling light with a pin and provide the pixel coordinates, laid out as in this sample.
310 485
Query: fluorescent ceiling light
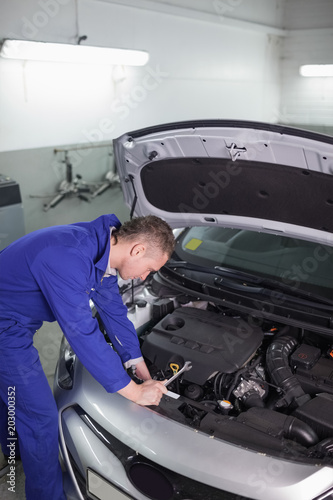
61 52
316 70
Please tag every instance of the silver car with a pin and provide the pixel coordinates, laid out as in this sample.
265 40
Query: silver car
246 301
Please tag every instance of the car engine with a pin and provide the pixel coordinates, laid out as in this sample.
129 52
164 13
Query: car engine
252 381
212 342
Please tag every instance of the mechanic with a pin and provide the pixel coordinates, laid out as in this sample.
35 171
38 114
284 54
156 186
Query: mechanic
51 275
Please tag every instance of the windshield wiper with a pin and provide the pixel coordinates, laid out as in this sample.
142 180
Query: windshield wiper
251 282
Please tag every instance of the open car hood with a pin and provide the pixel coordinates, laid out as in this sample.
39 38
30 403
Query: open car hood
236 174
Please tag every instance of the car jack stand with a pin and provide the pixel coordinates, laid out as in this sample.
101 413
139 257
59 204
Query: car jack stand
69 187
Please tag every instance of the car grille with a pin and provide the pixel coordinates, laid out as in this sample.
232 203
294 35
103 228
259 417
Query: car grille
149 478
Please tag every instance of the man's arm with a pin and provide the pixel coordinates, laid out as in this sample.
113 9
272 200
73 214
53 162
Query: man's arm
142 371
62 277
119 328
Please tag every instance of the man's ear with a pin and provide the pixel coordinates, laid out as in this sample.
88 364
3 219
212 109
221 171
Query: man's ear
138 250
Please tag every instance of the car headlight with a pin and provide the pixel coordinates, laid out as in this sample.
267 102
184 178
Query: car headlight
66 363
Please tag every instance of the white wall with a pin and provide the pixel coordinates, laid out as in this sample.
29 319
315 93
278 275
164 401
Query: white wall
208 59
307 101
202 65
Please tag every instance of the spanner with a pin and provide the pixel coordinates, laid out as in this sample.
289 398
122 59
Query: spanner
187 366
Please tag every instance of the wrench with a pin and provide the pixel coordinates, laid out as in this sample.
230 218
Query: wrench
187 366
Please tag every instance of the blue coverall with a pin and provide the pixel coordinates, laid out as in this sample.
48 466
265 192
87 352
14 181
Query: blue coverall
50 275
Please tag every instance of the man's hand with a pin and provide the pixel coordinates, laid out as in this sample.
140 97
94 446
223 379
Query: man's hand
151 393
146 394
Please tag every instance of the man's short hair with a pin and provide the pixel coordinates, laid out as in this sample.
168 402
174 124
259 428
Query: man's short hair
155 232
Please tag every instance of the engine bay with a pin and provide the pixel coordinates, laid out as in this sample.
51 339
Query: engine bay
259 384
212 342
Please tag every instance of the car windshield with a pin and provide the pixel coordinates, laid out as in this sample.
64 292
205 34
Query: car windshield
299 263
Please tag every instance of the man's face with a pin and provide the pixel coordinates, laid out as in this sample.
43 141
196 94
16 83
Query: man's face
138 265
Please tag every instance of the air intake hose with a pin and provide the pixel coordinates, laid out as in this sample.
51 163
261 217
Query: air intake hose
277 362
279 425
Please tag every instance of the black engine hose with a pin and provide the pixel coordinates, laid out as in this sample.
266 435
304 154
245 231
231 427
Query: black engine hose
277 362
299 431
280 426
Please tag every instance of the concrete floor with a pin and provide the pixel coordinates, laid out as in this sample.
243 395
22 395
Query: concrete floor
47 341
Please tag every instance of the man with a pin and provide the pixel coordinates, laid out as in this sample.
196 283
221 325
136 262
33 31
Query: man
51 274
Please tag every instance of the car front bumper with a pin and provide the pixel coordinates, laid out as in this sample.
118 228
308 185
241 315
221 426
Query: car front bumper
105 434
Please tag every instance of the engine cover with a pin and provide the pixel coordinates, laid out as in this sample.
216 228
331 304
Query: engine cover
212 342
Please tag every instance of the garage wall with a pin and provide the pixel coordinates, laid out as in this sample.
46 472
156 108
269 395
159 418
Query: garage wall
218 59
199 67
307 101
